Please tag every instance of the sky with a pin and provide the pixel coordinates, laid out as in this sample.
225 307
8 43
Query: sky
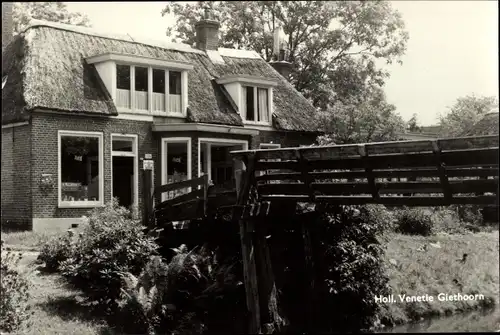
452 51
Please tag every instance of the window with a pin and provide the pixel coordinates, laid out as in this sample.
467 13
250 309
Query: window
123 86
176 153
166 89
123 77
80 169
174 90
141 88
269 146
256 104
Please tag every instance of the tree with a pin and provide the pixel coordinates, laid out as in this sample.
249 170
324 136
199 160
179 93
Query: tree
413 123
333 45
371 120
464 113
24 12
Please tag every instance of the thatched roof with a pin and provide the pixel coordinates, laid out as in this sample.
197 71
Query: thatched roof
46 69
488 125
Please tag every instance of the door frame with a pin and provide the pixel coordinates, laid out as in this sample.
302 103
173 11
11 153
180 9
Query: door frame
220 141
135 155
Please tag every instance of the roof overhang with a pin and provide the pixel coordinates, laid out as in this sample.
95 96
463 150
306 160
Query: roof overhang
211 128
139 60
248 80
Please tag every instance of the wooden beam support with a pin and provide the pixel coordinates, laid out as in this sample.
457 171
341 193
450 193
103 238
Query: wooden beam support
247 241
443 177
304 170
369 171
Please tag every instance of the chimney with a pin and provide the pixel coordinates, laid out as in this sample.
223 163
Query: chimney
7 24
207 31
280 55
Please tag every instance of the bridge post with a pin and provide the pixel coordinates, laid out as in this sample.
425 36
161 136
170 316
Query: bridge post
147 200
243 174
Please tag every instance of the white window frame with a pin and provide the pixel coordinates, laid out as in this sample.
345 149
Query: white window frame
256 103
210 141
269 146
80 204
163 155
150 111
135 155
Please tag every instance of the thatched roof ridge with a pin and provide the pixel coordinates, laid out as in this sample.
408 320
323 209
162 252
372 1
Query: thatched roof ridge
47 70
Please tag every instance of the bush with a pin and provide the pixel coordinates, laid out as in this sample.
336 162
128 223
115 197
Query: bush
470 214
56 251
186 296
111 243
14 295
414 221
350 269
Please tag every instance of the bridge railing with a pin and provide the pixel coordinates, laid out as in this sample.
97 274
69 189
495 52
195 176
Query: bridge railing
411 173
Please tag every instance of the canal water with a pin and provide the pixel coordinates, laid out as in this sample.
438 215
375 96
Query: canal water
476 321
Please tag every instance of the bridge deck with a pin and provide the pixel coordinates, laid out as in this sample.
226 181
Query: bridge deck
401 173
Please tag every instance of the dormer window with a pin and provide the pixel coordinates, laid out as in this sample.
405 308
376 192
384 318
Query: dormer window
256 105
145 85
253 96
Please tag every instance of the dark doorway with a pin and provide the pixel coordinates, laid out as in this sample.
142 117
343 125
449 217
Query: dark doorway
123 180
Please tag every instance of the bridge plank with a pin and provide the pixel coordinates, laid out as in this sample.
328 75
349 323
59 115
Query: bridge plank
466 157
182 184
335 188
386 173
390 200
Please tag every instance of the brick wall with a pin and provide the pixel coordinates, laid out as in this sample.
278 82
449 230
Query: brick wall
16 193
45 155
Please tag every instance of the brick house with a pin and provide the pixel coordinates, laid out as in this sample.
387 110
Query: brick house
81 109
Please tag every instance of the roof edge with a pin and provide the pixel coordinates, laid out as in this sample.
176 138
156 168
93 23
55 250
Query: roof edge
182 47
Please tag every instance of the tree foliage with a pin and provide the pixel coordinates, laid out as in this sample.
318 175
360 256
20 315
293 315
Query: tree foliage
412 123
466 112
24 12
334 46
352 122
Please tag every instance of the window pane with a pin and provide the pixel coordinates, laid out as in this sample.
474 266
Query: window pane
122 145
79 168
141 79
123 77
158 81
177 165
263 104
174 82
250 103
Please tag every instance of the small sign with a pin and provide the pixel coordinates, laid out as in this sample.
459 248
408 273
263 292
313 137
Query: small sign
147 164
148 156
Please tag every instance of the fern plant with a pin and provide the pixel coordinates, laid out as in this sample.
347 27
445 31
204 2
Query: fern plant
143 296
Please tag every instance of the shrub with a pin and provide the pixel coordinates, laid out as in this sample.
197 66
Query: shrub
414 221
187 296
55 251
470 214
350 269
111 243
14 295
447 220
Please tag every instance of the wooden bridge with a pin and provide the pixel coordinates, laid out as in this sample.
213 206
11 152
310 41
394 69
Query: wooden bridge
404 173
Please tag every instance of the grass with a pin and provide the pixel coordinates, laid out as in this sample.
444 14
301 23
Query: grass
55 306
439 270
25 240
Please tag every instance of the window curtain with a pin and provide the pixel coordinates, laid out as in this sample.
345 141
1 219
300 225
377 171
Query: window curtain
263 105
